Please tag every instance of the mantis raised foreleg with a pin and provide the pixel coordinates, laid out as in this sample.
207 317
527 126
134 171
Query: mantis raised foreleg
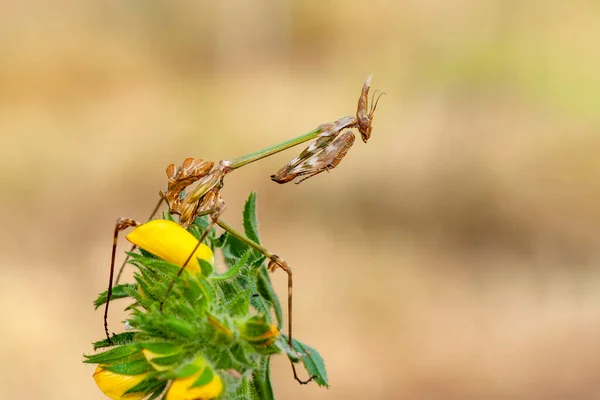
324 157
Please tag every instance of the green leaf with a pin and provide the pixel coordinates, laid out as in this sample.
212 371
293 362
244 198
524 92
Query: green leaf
250 221
112 355
206 267
245 390
240 355
135 367
145 300
200 286
232 272
143 253
260 301
262 380
285 347
266 291
235 298
239 305
158 391
163 267
312 360
167 360
168 216
160 347
220 241
205 377
118 339
180 327
118 292
255 328
187 370
198 228
147 386
233 249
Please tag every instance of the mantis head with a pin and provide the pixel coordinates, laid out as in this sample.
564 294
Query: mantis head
364 113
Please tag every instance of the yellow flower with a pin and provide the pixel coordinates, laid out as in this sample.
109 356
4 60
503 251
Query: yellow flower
181 389
114 385
169 241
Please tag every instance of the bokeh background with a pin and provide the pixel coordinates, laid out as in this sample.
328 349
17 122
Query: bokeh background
455 256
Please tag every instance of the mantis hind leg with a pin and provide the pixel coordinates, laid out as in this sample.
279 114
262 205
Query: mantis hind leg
277 262
156 208
122 224
274 262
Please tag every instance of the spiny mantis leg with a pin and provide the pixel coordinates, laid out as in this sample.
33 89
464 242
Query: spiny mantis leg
274 263
311 162
289 171
330 157
156 208
122 224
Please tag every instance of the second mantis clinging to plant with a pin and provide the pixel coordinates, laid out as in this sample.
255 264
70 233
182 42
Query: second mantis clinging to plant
331 144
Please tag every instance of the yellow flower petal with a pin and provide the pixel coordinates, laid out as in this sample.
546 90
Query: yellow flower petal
180 388
169 241
114 385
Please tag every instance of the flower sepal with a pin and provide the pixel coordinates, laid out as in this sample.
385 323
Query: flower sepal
260 334
162 356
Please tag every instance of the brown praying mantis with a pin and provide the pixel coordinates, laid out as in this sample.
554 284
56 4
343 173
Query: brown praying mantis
332 142
327 151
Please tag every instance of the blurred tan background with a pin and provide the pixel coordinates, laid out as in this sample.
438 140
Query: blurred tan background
455 256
